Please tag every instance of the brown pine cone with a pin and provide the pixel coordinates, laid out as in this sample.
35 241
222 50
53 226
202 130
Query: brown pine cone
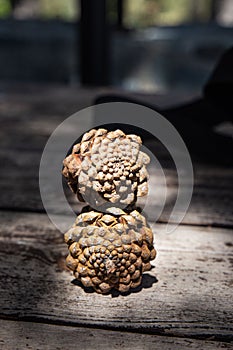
107 167
110 250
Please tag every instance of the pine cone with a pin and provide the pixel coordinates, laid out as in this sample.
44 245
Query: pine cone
110 250
107 167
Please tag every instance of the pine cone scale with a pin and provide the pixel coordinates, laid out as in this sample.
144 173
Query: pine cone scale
107 164
109 247
112 260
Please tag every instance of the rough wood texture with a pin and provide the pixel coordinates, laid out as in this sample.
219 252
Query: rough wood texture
188 293
29 117
211 203
29 335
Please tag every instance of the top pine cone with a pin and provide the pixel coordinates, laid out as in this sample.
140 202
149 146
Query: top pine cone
107 167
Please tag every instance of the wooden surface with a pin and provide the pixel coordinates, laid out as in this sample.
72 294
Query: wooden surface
188 292
30 335
185 301
212 186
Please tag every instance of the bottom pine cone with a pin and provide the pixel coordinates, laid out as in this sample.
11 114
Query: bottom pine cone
110 250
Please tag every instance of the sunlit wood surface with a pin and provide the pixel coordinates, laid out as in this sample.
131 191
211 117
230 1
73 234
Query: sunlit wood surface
185 301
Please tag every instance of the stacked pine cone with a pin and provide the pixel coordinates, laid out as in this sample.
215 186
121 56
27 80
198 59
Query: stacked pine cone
109 247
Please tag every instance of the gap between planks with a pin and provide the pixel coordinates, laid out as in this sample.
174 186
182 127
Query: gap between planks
19 335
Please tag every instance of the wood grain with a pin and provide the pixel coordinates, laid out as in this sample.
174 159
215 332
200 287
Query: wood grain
211 204
30 115
186 297
188 293
30 335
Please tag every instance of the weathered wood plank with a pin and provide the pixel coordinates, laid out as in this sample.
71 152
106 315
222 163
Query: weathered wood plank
187 294
29 115
23 100
211 204
28 335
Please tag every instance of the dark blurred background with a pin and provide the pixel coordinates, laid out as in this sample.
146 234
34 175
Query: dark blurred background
137 45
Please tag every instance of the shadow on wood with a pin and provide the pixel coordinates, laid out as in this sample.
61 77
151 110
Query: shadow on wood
147 282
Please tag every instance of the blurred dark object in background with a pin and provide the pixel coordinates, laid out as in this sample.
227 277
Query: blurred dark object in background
196 121
156 46
94 45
